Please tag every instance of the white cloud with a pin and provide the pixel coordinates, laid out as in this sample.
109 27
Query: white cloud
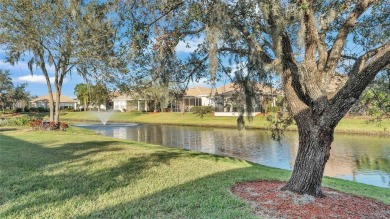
189 45
2 52
22 67
40 79
237 67
8 66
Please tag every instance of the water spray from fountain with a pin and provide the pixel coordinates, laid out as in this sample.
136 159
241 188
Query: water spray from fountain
103 116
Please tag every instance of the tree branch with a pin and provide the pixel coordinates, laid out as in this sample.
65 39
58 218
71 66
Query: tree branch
291 83
166 13
362 73
253 43
311 38
349 57
371 56
315 86
239 51
340 40
192 32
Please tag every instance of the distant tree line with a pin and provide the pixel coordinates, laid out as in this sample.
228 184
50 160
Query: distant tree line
93 95
12 97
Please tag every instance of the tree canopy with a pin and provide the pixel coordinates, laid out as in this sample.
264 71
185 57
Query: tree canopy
68 35
310 44
326 52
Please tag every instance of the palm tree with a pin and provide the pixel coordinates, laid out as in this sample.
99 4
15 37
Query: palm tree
82 93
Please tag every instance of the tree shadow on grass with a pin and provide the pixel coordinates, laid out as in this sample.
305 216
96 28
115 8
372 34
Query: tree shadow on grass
206 197
78 180
6 129
34 176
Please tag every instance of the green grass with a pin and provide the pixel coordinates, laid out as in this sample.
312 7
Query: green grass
78 174
347 125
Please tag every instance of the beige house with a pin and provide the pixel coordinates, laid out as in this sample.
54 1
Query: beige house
65 102
197 96
126 102
228 97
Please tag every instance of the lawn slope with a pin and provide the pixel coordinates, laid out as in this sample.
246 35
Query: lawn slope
78 174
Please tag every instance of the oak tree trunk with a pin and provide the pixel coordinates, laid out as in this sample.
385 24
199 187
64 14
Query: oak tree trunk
155 106
51 103
313 153
57 108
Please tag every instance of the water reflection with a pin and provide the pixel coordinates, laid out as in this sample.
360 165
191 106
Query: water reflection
358 158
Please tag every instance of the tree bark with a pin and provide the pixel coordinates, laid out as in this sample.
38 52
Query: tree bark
51 101
57 108
313 153
155 106
48 83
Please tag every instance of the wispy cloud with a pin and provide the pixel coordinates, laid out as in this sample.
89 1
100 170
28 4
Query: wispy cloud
22 68
2 52
189 45
242 66
40 79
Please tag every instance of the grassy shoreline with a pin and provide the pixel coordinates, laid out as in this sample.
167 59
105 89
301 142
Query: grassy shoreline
79 174
349 125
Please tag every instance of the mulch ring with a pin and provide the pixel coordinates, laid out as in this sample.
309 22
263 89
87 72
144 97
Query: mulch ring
267 200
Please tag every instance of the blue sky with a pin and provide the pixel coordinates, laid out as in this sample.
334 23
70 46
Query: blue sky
36 83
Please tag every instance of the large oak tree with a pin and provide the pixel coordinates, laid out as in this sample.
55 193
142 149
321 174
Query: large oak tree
311 44
68 35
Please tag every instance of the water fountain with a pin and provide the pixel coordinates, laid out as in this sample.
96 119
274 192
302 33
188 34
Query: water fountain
103 116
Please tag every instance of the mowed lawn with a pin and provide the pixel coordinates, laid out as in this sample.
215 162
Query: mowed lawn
353 125
79 174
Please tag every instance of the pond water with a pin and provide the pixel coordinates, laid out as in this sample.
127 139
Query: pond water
364 159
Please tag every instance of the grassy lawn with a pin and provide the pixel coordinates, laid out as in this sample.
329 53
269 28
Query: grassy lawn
347 125
78 174
166 118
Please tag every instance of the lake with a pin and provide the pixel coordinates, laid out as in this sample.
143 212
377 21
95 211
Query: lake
364 159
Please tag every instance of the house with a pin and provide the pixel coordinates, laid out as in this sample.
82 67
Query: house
128 102
197 96
65 102
228 98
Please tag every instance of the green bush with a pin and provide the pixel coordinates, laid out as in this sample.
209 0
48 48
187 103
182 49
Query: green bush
68 110
17 121
272 109
202 110
3 121
42 110
8 111
374 111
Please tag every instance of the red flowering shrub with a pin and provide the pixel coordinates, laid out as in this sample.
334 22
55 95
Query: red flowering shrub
52 126
36 124
63 126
